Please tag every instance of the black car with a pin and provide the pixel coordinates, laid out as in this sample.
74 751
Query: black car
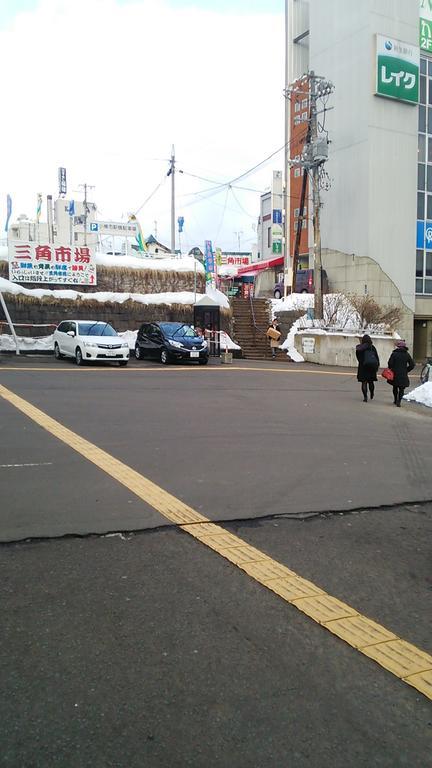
168 342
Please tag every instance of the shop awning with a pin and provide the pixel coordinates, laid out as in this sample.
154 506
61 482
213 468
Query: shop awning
253 269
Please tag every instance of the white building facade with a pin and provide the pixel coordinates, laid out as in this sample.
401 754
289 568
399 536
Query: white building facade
375 217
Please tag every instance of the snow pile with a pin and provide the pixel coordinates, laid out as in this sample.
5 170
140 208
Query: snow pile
26 343
226 342
46 343
170 263
421 394
180 297
288 345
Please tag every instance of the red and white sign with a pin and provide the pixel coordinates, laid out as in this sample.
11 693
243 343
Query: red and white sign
232 260
55 263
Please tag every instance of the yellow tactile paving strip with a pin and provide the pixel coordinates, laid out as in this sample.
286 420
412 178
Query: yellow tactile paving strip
402 659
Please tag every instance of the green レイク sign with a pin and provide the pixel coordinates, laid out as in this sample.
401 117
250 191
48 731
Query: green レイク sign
397 69
426 25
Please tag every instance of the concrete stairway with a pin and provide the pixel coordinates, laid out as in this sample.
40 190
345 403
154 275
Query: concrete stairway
253 341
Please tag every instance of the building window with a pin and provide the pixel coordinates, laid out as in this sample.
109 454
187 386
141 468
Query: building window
304 117
297 106
421 148
423 90
297 172
429 207
305 103
419 263
297 120
421 175
428 286
419 286
268 237
422 119
428 270
420 205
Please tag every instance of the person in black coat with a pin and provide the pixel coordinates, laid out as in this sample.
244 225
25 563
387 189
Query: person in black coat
401 363
368 364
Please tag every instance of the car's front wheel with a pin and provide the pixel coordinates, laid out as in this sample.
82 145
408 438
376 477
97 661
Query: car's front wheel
138 353
57 354
123 363
78 357
164 357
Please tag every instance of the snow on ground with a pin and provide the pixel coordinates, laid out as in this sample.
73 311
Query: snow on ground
421 394
46 343
180 297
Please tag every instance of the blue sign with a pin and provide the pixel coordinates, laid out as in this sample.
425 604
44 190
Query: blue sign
424 235
277 216
71 209
180 222
94 226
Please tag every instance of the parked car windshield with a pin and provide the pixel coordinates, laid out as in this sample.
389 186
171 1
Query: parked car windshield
177 329
96 329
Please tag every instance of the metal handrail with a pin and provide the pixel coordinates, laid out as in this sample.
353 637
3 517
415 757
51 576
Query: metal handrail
253 316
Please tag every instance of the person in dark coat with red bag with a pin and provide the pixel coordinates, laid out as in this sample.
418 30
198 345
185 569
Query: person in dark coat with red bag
401 363
368 364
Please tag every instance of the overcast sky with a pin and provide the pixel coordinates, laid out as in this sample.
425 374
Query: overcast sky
105 87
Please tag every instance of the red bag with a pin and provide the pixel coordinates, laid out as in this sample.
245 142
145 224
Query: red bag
388 374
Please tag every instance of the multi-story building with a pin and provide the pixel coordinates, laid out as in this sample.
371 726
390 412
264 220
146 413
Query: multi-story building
376 220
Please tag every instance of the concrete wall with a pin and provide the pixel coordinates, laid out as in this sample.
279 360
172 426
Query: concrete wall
371 208
348 273
339 349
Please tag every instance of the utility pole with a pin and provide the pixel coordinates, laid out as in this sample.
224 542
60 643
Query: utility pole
171 173
238 235
286 224
314 155
85 187
318 300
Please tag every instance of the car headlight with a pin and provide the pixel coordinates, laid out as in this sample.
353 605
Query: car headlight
204 344
125 345
175 344
90 344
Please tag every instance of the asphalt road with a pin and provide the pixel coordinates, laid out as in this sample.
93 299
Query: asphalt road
148 649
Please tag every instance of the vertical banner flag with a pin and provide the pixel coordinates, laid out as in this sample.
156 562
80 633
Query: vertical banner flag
8 211
219 257
71 208
209 260
142 247
38 207
62 181
180 222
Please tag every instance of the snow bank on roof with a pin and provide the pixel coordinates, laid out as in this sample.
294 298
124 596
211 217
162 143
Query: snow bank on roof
176 264
180 297
422 394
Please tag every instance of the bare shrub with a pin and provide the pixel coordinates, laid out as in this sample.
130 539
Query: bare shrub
337 310
372 314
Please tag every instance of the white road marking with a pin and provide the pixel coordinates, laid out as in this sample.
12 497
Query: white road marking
40 464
